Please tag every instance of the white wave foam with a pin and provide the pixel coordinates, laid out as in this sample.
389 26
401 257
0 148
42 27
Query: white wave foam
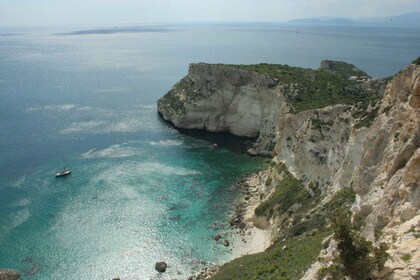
143 106
166 143
108 90
19 182
102 127
89 126
19 217
61 107
21 203
114 151
124 173
130 125
152 167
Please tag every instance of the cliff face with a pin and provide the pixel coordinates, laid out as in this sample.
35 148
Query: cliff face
218 98
329 148
387 179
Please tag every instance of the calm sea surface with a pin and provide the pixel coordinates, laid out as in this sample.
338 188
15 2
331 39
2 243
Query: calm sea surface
140 192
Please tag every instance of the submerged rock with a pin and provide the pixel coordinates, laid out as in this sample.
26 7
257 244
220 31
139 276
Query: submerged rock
226 243
217 237
161 266
9 274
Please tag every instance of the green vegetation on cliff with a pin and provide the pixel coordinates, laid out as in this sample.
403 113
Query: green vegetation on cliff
417 61
313 89
299 241
277 262
344 69
174 101
288 192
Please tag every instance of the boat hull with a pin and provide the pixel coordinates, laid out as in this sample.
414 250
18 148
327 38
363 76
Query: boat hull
62 174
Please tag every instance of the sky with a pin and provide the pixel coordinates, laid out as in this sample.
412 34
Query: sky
61 12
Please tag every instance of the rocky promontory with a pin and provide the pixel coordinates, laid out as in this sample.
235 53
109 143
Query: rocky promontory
247 100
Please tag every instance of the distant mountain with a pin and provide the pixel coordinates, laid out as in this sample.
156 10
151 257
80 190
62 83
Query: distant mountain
411 19
323 21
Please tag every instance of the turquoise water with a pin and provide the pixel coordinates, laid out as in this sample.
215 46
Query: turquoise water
140 192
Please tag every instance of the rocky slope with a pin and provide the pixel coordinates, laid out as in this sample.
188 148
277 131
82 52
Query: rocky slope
364 155
381 163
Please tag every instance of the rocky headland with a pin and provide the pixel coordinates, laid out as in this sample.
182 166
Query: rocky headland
338 141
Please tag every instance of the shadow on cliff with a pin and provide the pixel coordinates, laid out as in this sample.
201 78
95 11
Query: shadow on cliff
222 139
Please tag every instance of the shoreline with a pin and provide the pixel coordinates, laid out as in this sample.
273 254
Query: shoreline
247 238
252 239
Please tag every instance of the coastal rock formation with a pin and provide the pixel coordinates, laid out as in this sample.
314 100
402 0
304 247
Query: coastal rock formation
323 156
9 274
247 100
220 98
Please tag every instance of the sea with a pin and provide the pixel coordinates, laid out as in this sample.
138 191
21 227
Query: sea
140 191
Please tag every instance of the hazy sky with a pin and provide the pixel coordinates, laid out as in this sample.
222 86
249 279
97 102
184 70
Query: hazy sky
47 12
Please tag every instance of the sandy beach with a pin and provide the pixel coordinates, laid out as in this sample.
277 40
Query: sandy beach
251 239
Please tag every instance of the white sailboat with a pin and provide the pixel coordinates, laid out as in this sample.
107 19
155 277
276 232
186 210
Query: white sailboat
63 172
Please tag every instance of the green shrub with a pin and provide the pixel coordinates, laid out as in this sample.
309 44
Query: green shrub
367 119
358 258
417 61
288 192
406 257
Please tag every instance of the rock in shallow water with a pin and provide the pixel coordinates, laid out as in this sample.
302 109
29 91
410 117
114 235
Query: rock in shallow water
9 274
161 266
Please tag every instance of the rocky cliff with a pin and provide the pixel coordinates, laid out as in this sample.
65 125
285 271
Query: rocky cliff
359 149
219 98
381 163
247 100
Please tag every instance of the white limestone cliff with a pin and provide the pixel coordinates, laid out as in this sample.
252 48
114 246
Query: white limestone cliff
219 98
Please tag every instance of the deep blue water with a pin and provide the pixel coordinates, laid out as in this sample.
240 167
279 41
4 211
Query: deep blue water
140 192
